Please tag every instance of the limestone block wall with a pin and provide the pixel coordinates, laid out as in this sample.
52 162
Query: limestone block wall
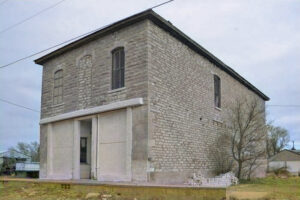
87 72
87 84
183 121
174 130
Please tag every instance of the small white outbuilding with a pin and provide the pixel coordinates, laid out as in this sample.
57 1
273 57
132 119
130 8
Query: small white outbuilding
290 159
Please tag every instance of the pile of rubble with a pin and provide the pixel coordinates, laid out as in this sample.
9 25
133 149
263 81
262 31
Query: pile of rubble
223 180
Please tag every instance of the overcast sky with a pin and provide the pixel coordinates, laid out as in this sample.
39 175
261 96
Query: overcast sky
258 39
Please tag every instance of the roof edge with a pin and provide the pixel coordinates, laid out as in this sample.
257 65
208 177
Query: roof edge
201 50
94 35
167 26
288 150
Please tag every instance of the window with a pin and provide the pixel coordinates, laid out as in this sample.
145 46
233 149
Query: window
217 87
118 65
83 150
58 87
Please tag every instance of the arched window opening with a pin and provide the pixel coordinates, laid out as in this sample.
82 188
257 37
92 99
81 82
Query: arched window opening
58 87
217 88
118 67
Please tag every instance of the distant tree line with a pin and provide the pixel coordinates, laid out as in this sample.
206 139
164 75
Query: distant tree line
30 149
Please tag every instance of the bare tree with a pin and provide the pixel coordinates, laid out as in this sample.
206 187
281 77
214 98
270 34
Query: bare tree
220 153
255 162
31 149
247 131
278 138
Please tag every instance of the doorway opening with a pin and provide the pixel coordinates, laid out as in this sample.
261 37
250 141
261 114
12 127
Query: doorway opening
85 148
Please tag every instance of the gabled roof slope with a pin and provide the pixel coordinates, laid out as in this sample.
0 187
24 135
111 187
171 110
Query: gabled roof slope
165 25
295 151
286 155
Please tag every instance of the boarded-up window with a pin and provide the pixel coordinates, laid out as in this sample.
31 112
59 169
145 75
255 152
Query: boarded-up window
217 88
58 87
118 66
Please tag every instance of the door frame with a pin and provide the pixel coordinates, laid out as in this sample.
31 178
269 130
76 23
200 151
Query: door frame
76 146
95 162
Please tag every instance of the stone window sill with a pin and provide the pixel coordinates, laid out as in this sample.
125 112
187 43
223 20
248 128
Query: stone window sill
218 121
217 108
84 164
116 90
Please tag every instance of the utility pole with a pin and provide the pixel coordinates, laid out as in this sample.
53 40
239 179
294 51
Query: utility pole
293 148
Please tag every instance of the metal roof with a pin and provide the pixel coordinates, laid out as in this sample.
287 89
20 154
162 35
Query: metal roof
13 154
165 25
28 166
286 155
295 151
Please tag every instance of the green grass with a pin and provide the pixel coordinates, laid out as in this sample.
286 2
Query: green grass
267 188
13 190
270 188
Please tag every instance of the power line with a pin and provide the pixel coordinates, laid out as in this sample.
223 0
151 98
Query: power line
284 105
161 4
11 103
72 39
36 14
3 66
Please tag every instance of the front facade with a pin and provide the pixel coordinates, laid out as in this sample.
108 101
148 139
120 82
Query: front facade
135 101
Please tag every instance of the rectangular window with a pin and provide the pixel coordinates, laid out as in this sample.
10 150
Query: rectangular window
118 66
217 88
83 150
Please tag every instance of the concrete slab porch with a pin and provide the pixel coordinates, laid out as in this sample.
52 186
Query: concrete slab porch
103 183
83 189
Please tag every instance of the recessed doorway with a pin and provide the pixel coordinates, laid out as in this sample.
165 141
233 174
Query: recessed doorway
85 148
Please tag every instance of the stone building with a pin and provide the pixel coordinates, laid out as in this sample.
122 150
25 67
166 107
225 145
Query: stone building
135 101
288 159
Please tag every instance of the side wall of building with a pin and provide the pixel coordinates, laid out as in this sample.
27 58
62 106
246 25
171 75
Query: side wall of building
287 159
183 120
292 166
87 84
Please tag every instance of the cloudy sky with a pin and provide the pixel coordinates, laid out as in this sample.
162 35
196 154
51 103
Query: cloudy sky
258 39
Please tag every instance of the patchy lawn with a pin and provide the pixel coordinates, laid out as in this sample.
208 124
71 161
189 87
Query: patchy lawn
17 190
270 188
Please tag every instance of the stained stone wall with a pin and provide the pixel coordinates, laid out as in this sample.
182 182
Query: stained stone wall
87 72
174 130
183 121
87 83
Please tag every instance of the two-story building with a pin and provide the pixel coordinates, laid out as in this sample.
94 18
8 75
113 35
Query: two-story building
135 101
